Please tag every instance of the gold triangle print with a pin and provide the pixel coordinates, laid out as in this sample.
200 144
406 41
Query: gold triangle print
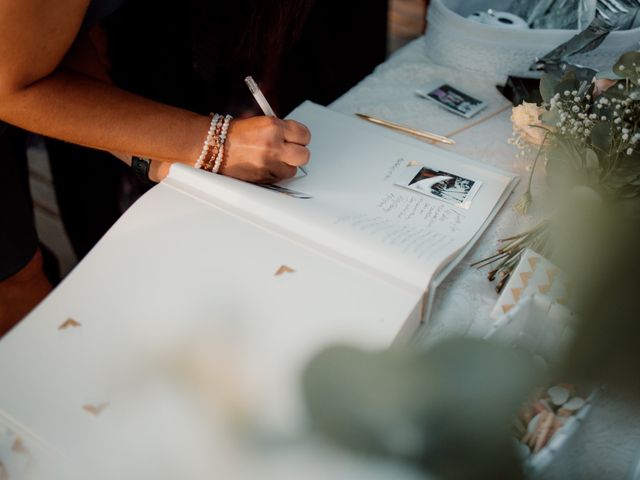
282 270
516 293
70 322
544 288
18 446
551 274
506 308
95 410
533 262
525 277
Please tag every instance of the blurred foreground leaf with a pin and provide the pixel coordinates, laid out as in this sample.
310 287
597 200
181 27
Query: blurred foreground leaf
446 410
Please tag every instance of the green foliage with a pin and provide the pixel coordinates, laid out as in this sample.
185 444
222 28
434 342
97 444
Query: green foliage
548 85
566 84
446 410
628 66
595 139
601 138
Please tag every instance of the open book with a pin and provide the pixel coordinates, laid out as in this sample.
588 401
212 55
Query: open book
382 202
250 282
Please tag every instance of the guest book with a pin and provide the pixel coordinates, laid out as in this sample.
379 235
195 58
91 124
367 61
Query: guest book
376 200
185 330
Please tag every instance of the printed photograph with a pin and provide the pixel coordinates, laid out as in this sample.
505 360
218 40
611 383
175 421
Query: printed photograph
448 187
453 99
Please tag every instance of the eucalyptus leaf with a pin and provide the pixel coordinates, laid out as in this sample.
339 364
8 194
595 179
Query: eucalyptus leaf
549 118
628 66
584 74
548 84
634 93
591 160
567 85
446 409
574 154
616 92
627 167
620 180
562 169
601 138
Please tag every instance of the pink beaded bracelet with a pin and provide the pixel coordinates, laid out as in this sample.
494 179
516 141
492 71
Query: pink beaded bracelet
208 141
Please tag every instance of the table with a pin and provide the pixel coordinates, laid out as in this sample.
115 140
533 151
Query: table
608 444
463 301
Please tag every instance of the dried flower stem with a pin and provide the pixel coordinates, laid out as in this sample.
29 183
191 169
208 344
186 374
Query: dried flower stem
522 206
511 251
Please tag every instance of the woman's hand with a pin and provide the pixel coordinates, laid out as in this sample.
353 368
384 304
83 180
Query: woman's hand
265 149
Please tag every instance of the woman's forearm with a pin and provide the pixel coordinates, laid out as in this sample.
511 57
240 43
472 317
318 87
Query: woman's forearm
76 108
50 84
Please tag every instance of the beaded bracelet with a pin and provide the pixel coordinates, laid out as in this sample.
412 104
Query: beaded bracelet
214 146
222 138
208 140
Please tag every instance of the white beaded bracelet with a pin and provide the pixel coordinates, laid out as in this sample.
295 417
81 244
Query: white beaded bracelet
222 139
208 141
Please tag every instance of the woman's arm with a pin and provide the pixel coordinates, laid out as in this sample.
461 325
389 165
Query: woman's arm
39 95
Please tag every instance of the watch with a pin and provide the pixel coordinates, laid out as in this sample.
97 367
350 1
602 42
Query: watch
140 167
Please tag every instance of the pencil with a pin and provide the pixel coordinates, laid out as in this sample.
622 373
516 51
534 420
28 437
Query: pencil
262 102
434 137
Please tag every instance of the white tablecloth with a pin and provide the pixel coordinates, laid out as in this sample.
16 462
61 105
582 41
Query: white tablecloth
609 441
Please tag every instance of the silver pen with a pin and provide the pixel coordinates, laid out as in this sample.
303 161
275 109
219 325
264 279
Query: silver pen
262 102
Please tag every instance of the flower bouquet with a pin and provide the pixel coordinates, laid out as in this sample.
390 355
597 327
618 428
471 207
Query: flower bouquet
587 131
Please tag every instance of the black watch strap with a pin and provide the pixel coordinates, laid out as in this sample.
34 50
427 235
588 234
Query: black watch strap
140 167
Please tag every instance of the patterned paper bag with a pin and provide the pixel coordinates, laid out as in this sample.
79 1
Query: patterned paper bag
534 274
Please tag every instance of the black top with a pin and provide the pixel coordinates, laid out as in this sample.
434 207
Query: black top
98 10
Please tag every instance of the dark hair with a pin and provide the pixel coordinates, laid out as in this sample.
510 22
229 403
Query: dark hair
248 34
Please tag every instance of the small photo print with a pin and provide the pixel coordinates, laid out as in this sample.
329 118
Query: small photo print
452 99
447 187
